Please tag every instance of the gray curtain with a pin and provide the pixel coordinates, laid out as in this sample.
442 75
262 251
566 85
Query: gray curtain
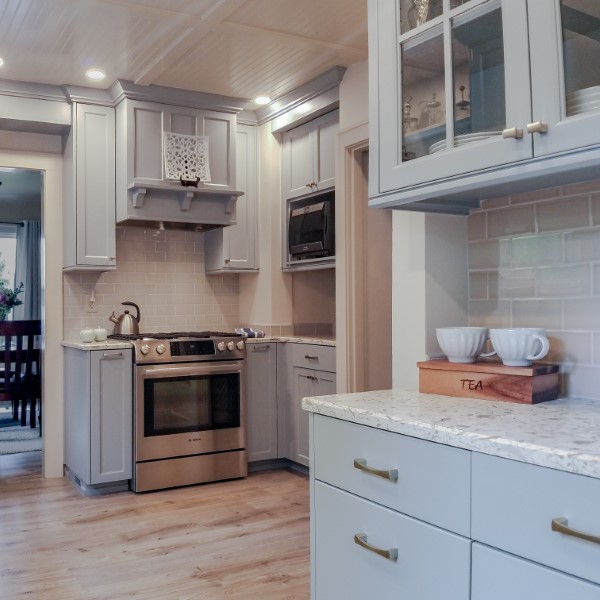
28 271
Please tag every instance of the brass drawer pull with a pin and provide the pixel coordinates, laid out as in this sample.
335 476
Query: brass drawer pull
561 525
361 540
361 465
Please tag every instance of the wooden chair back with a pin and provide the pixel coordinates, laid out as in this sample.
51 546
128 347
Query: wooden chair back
20 360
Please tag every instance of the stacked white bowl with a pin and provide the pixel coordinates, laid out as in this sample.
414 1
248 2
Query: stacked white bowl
584 100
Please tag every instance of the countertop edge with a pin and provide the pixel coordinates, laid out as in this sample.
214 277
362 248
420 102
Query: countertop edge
505 445
292 340
107 345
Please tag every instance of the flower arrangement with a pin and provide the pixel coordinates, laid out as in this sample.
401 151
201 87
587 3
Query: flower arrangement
8 300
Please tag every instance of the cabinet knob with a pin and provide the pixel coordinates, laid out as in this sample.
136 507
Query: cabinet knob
512 132
537 127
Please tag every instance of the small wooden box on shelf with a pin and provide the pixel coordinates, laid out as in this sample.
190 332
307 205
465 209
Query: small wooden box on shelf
490 381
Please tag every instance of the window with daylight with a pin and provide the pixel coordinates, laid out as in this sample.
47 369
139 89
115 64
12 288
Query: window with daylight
8 253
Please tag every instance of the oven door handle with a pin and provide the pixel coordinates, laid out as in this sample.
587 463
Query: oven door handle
210 368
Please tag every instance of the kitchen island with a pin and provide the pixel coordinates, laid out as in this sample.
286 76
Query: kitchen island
427 496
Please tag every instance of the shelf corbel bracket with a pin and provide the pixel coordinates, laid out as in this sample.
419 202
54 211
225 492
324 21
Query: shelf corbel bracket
230 205
185 200
137 197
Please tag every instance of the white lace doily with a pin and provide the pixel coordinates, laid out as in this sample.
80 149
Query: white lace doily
186 157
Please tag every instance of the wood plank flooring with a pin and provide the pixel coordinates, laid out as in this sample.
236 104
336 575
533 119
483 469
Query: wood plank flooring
245 539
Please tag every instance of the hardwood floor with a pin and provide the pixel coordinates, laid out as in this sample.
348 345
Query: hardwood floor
245 539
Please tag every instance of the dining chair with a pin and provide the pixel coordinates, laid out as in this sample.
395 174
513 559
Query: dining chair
20 368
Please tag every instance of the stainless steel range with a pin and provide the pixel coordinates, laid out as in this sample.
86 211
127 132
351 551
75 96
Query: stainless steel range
189 408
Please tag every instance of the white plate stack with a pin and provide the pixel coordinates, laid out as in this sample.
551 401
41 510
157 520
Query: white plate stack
461 140
581 101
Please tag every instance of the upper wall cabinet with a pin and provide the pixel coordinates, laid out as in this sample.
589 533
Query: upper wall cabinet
142 184
234 248
471 94
309 156
89 190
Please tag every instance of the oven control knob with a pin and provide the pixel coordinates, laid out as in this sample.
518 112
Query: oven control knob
145 349
240 345
221 346
230 346
160 349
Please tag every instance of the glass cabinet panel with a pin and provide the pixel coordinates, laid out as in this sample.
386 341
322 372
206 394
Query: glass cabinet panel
423 93
581 55
414 13
478 75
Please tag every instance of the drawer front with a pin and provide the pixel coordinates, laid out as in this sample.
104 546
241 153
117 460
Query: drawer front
433 481
500 576
429 563
513 506
313 356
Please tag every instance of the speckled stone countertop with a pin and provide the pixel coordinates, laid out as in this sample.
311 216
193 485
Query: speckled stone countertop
293 340
563 434
107 345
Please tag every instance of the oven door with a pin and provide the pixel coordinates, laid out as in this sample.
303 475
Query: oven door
187 409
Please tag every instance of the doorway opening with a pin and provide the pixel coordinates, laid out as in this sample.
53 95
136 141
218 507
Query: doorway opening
21 301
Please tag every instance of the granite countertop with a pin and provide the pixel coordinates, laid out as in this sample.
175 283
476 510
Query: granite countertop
107 345
293 340
562 434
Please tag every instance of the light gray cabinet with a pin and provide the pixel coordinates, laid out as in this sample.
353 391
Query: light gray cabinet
144 193
279 375
234 248
309 156
386 533
98 417
471 94
261 395
310 372
89 190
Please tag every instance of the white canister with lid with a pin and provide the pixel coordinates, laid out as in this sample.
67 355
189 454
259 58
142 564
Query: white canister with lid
100 334
87 335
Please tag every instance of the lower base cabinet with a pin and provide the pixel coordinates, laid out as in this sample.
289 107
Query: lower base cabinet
463 524
98 417
501 576
401 557
278 376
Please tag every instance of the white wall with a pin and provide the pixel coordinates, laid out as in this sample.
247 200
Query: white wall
42 152
354 96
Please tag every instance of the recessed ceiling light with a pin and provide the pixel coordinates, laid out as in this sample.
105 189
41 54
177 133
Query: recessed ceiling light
262 100
95 74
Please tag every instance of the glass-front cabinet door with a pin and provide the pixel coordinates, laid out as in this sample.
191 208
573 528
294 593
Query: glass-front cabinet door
565 73
454 87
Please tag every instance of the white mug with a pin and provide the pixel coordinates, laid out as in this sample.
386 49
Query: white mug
519 347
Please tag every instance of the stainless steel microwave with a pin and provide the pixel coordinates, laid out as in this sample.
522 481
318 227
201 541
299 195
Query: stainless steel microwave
311 227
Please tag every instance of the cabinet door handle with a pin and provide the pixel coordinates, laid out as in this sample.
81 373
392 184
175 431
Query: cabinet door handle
561 525
512 132
311 357
261 347
112 355
361 465
361 540
537 127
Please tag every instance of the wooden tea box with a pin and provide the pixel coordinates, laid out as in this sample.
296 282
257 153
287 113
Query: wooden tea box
490 381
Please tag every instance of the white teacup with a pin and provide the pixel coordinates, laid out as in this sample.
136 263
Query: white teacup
461 344
519 347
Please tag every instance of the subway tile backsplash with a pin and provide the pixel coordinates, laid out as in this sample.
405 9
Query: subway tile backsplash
162 272
534 261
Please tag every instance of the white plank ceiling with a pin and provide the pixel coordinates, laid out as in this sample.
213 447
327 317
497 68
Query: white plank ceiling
240 48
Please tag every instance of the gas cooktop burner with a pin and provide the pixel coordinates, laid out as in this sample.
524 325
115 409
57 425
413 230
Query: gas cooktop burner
172 335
